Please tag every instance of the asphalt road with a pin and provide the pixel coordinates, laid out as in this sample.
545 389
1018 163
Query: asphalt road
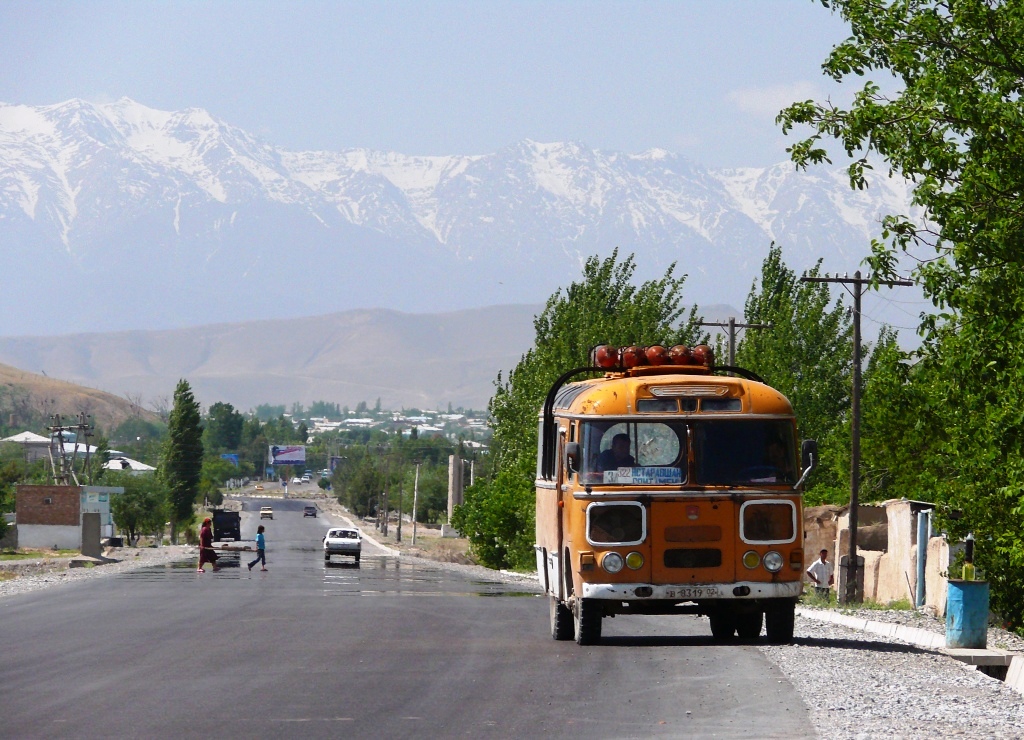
383 650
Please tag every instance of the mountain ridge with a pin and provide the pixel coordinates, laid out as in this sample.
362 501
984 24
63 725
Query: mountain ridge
175 218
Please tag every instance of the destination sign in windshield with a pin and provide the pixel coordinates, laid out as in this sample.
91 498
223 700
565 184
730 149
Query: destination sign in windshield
646 476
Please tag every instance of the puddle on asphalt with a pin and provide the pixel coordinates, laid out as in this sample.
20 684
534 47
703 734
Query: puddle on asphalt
373 575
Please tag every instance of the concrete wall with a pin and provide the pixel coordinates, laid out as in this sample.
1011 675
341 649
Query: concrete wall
890 566
937 563
43 536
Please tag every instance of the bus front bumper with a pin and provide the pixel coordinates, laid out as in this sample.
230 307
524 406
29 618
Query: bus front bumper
692 592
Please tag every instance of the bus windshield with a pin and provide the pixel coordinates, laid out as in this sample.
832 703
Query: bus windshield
619 452
744 452
740 452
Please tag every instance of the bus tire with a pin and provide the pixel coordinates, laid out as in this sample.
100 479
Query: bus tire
778 622
723 626
748 625
587 621
561 620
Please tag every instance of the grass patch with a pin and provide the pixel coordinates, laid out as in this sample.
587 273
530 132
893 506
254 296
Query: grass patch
811 599
8 555
899 605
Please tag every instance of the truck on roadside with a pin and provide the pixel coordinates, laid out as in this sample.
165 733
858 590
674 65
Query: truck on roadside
227 525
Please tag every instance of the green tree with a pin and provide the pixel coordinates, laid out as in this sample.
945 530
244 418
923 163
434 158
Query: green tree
142 508
604 307
182 457
955 130
807 355
223 428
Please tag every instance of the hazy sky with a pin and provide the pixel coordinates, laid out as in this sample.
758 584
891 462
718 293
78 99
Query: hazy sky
703 78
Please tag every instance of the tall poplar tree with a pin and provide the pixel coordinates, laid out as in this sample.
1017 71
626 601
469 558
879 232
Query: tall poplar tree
182 457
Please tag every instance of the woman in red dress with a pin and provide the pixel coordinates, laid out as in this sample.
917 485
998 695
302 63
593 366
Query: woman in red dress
206 551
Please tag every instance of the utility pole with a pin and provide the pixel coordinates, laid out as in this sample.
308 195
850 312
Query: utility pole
732 326
83 431
415 498
401 491
858 282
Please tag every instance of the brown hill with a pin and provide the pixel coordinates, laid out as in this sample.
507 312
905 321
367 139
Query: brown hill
406 360
27 397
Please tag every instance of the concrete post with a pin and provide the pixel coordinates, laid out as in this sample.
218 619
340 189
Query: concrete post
454 484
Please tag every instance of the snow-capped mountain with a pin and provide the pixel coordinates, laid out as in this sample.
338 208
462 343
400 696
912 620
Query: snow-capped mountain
117 216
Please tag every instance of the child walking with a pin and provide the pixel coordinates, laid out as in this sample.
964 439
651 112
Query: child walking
261 549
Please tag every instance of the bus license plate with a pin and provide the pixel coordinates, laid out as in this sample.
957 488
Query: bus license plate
692 592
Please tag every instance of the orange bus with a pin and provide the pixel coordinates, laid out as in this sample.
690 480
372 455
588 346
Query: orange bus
665 487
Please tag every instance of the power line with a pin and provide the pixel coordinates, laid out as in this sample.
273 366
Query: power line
858 282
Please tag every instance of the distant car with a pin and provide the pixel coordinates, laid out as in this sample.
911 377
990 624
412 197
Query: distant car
309 511
266 512
259 488
306 478
342 541
297 480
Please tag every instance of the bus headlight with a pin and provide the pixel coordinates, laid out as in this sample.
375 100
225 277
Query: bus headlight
634 561
773 561
612 562
751 559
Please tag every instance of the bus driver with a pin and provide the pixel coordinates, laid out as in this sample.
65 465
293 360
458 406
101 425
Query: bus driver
616 456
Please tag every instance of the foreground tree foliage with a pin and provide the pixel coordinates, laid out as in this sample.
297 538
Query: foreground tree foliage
182 461
956 130
604 307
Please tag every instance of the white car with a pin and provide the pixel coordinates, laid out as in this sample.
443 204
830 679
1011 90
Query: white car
343 541
297 480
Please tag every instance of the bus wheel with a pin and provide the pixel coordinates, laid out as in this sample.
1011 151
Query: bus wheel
748 626
561 620
587 621
778 622
723 626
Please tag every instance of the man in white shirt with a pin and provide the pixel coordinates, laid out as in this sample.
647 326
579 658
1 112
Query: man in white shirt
820 572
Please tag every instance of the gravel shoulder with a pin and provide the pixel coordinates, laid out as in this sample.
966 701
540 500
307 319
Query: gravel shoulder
859 685
32 575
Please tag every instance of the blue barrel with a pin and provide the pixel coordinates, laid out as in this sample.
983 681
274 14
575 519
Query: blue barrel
967 614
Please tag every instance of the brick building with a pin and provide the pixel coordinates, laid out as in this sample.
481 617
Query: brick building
52 516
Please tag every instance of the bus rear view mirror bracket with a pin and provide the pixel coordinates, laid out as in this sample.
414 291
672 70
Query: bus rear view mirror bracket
808 459
572 456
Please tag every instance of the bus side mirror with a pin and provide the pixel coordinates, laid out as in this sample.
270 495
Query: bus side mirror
808 459
572 456
809 453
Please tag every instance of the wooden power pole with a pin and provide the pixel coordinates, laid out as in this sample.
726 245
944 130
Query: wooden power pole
857 282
